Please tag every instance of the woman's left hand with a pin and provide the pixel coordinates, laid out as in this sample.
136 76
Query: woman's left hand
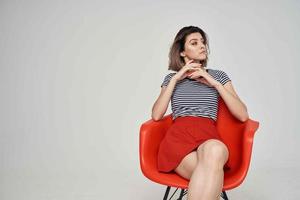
202 76
199 72
204 81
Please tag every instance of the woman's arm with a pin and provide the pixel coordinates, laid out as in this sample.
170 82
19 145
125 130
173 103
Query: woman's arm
161 104
232 101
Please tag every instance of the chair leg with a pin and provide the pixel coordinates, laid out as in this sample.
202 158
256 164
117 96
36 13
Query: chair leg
224 195
181 194
167 193
184 192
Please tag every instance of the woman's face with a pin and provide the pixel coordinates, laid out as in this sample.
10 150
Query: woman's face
194 48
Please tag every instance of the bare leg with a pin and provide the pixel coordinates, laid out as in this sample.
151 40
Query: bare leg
187 165
207 178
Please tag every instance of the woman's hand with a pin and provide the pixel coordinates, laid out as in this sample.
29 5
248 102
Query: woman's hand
200 72
202 76
204 81
186 70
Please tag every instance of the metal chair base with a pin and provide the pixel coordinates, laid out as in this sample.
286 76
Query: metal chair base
183 192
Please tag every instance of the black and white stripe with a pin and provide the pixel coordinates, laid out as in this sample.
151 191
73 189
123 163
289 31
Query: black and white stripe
192 98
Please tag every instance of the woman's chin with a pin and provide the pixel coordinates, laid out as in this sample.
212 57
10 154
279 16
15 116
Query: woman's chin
199 59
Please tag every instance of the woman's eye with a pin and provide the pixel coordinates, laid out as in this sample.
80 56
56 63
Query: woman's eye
194 43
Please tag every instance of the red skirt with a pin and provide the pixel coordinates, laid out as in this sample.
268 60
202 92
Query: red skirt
184 136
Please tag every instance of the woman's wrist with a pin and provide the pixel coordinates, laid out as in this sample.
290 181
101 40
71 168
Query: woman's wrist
174 79
217 85
214 83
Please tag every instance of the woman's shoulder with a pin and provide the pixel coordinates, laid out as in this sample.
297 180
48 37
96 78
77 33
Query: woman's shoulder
170 75
220 75
217 72
167 78
214 70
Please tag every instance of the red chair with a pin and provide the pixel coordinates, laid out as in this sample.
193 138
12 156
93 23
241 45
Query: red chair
238 136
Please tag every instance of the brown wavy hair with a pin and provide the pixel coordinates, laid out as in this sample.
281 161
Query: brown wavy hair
176 62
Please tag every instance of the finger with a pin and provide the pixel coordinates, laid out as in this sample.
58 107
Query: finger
192 75
190 63
191 69
189 73
195 65
204 82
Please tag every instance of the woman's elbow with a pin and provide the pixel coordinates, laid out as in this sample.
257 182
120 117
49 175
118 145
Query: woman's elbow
156 117
157 114
245 117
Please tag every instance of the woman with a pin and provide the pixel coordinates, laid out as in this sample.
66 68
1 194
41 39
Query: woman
192 146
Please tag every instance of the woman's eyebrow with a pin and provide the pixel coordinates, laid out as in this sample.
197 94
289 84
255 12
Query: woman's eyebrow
196 39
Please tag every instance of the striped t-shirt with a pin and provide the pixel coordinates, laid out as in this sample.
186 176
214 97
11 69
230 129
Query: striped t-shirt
193 98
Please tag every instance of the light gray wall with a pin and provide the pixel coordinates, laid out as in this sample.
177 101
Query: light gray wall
77 79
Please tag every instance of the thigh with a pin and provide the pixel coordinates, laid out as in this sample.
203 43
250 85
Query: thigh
187 165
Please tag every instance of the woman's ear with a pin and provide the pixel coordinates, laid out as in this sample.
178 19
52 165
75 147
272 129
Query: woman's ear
182 54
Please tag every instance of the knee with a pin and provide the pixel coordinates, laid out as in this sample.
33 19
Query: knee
213 152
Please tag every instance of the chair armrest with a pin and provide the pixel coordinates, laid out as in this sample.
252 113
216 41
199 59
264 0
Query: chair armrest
249 131
248 135
251 127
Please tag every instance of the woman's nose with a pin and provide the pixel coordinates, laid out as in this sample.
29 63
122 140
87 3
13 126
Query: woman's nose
202 44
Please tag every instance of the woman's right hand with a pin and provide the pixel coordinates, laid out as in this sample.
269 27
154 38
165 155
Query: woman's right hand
188 68
161 104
